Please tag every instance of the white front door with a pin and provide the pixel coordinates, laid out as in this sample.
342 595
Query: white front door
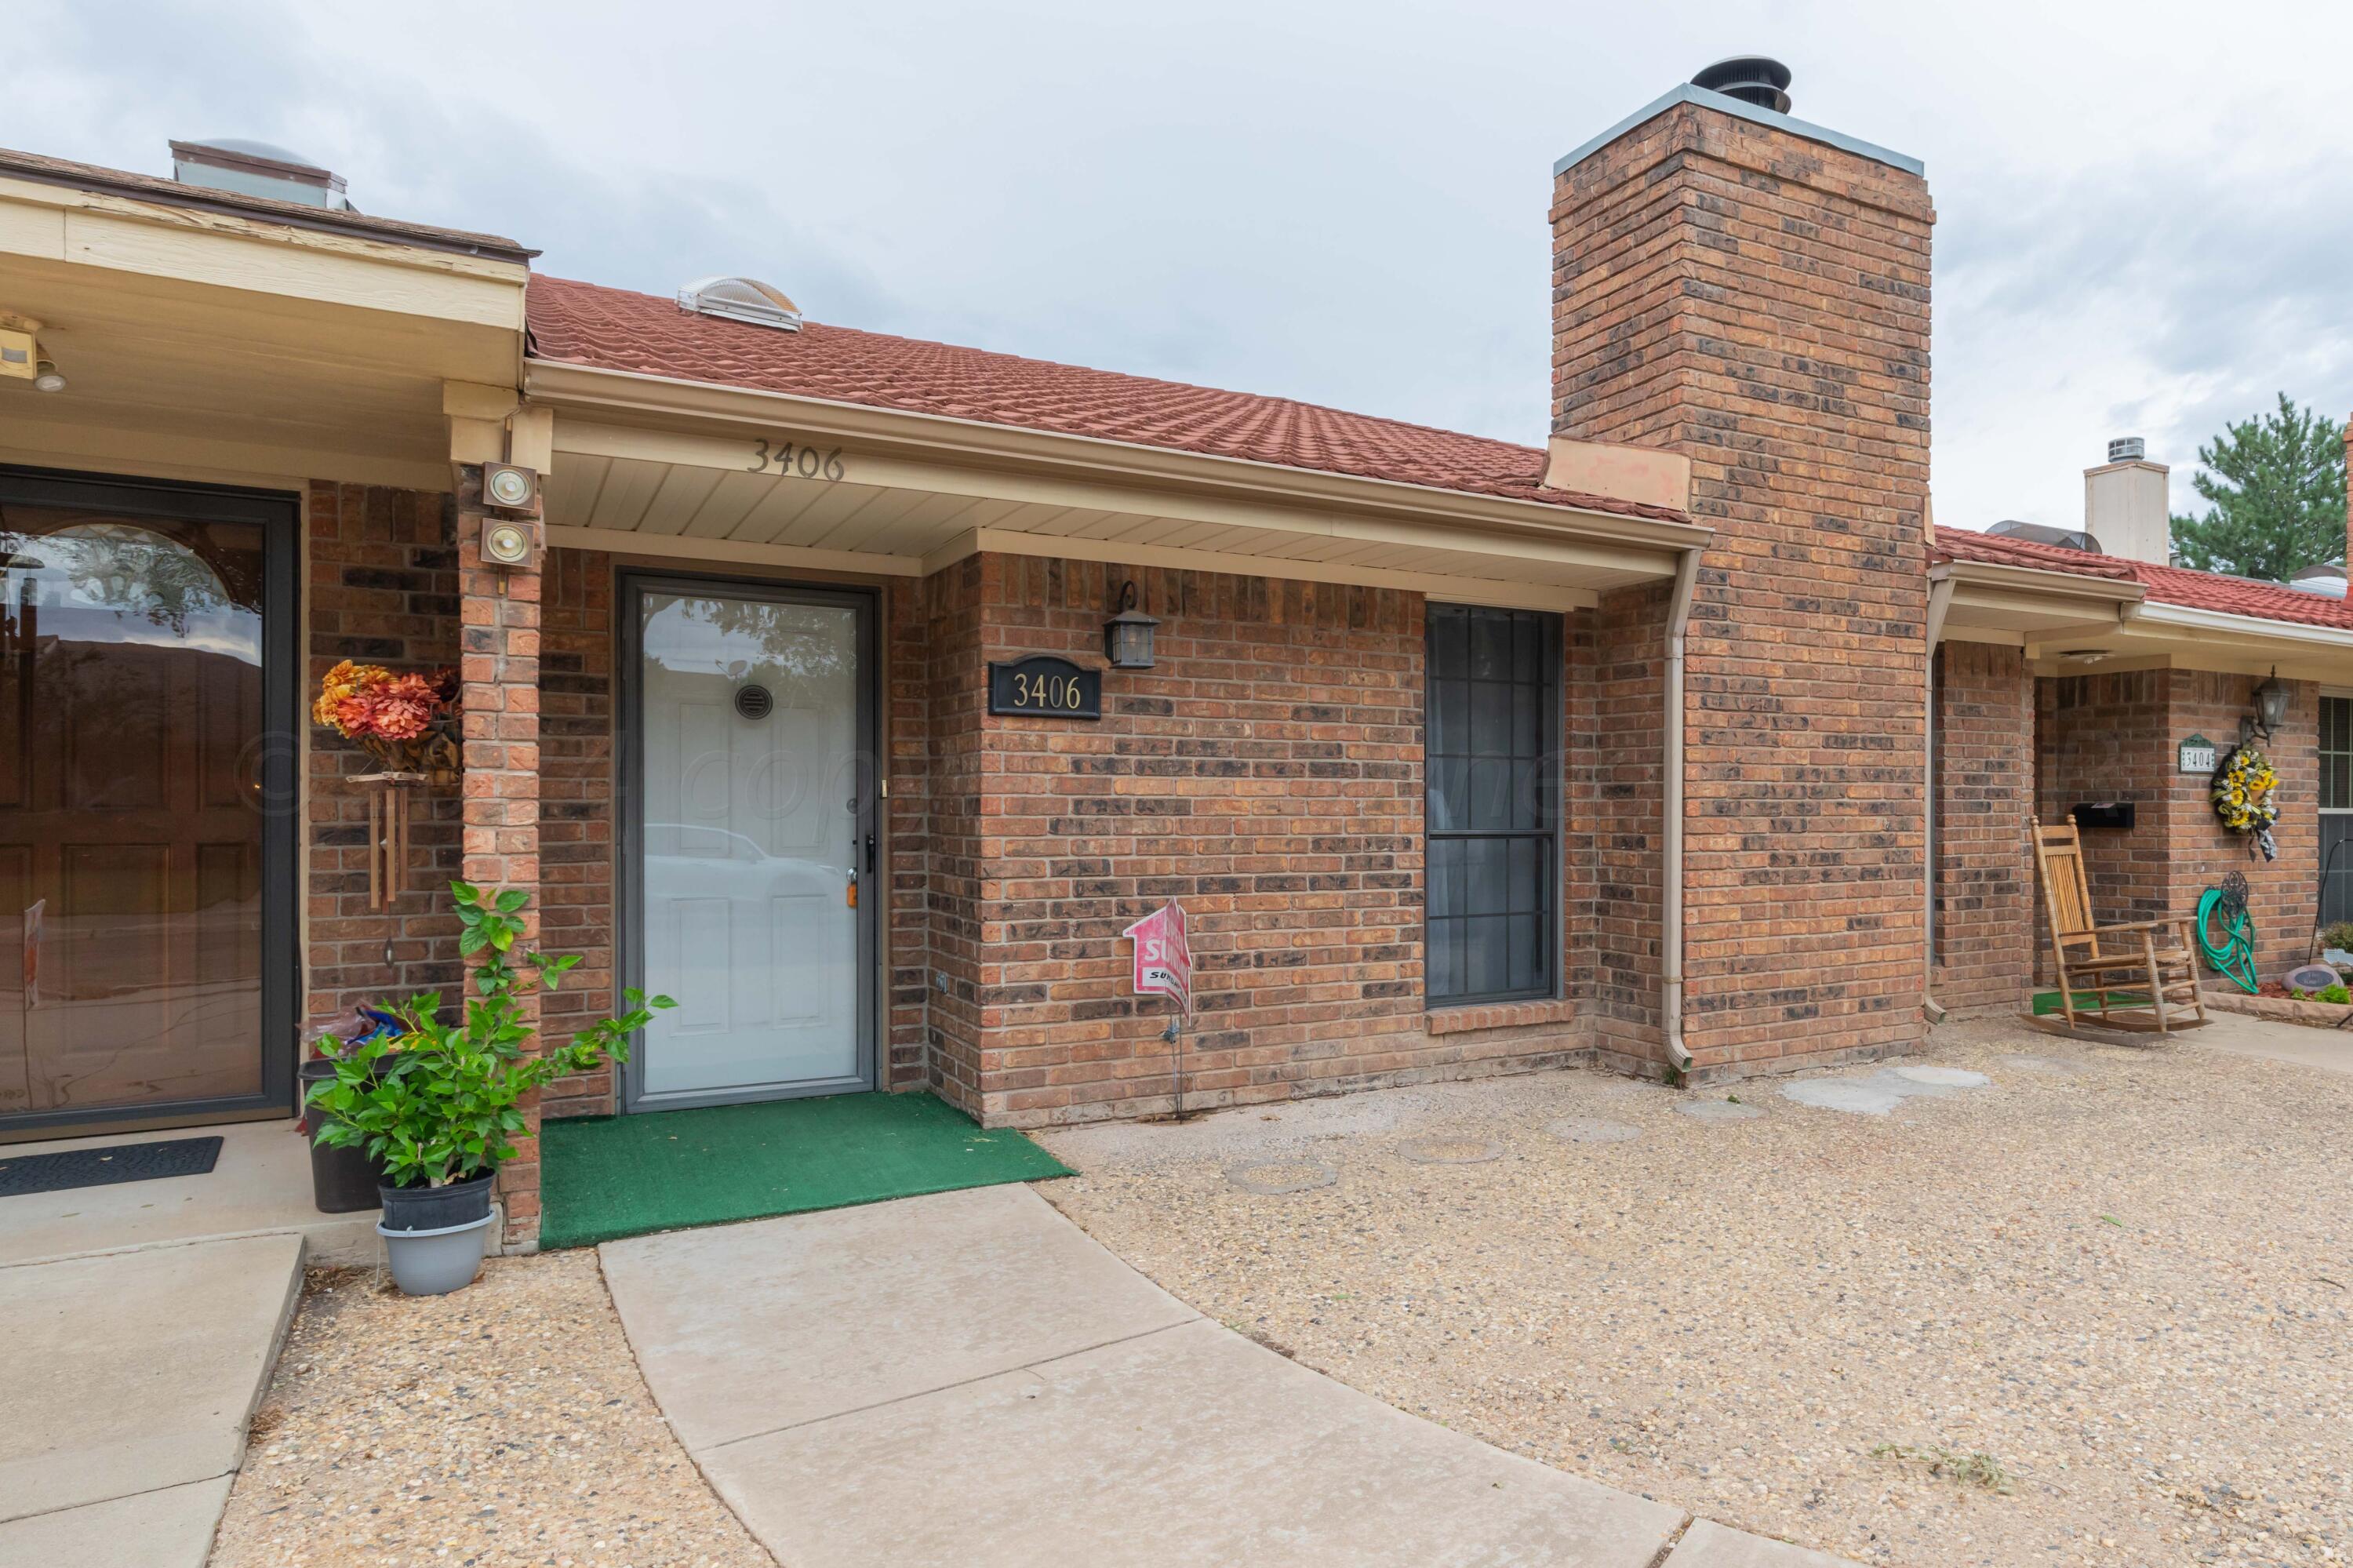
752 833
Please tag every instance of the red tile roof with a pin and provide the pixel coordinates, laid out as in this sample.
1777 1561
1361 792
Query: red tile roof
613 329
2166 585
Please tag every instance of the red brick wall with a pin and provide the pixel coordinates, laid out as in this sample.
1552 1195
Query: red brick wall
2109 737
2285 891
1760 303
1627 696
576 809
955 691
1985 794
383 588
1268 773
2103 738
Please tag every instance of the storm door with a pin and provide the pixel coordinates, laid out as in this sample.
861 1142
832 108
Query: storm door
146 804
750 854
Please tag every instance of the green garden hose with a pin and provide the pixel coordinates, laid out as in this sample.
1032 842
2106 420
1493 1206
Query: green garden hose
2224 910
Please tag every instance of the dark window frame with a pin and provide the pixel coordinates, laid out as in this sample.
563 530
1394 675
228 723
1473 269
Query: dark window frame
2333 804
1541 774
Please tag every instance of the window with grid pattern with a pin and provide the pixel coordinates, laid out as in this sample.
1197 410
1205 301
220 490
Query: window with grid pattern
1491 752
2336 809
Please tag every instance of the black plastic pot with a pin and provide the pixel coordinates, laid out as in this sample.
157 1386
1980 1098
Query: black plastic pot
343 1181
438 1208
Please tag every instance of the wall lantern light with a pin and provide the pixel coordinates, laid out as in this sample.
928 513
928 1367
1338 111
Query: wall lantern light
2271 709
1127 636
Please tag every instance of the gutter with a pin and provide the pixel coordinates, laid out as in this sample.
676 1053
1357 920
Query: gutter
1670 838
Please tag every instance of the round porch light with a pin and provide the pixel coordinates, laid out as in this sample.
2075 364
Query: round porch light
1127 636
48 378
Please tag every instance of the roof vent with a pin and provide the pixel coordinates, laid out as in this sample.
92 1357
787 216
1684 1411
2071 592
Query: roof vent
2127 448
2043 533
740 299
257 169
1752 79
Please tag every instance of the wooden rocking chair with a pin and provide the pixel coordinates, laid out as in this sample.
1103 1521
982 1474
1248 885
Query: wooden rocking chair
2135 970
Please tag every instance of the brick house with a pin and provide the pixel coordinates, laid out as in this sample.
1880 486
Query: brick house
1462 756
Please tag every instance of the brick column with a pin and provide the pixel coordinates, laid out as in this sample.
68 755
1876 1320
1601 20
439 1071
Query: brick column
498 613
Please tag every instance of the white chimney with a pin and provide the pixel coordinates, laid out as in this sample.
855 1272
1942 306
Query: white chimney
2127 504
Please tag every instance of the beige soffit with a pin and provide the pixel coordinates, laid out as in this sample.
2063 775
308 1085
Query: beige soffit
2018 605
662 415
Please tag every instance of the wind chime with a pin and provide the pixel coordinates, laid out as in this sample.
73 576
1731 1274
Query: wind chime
401 721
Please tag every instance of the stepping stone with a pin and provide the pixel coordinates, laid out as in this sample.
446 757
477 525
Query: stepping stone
1274 1178
1718 1110
1591 1130
1451 1151
1877 1094
1859 1096
1944 1077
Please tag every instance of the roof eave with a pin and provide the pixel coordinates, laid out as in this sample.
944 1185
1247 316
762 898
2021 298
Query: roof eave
227 203
560 382
2056 585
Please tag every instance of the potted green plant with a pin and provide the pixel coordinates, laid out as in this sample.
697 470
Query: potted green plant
439 1105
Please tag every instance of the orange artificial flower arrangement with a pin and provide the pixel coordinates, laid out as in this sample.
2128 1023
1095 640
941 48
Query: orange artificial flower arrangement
398 718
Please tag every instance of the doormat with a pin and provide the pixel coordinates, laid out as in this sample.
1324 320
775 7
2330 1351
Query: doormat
28 1173
603 1178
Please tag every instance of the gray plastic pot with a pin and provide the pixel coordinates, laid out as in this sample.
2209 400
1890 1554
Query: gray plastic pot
435 1262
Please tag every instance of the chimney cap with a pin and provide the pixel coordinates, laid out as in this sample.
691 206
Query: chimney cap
1759 79
2127 448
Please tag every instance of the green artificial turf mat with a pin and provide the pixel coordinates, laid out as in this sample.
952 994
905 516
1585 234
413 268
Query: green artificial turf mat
602 1177
2047 1001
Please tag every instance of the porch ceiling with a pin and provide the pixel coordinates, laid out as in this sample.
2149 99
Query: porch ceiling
895 509
2071 625
204 346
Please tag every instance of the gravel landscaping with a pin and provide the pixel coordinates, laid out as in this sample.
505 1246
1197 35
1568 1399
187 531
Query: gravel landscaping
2098 1308
504 1425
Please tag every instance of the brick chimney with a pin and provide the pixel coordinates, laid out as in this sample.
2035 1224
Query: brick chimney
1752 292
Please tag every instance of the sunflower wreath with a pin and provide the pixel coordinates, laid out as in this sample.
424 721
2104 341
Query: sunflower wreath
2246 797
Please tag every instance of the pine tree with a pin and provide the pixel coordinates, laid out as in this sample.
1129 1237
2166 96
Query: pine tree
2275 489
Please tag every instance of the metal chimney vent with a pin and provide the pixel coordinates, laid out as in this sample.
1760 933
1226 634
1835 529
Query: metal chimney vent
2127 448
740 299
1752 79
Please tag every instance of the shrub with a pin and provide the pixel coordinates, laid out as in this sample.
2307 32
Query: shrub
440 1103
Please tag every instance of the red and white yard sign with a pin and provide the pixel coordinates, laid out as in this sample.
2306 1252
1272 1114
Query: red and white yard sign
1164 962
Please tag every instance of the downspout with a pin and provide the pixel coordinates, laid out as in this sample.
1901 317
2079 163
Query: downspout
1670 841
1940 599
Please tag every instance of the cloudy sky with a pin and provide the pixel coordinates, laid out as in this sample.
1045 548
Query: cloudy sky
2143 223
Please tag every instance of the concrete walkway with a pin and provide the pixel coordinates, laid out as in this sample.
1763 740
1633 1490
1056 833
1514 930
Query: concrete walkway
131 1378
969 1379
2329 1050
260 1185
